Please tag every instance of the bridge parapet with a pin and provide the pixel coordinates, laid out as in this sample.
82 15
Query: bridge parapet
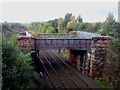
62 43
31 43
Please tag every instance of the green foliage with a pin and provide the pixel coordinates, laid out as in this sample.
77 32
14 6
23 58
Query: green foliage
89 27
79 19
54 24
67 18
80 26
9 29
64 54
114 62
42 27
60 25
101 31
17 71
6 26
13 39
71 25
110 26
51 36
96 27
35 26
47 28
102 84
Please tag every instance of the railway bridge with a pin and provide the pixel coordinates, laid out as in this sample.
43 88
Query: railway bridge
85 54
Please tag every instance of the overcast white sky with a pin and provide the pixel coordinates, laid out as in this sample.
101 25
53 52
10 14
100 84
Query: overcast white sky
27 12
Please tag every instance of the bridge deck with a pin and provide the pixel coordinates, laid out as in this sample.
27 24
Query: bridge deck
59 43
62 43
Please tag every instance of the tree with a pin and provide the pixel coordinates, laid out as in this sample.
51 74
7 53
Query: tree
67 18
60 25
50 30
43 27
71 25
13 39
6 26
110 26
6 29
96 27
79 19
89 27
112 70
12 28
47 28
17 71
101 31
54 24
113 60
80 26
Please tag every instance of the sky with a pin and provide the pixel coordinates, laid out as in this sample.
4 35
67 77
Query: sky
27 12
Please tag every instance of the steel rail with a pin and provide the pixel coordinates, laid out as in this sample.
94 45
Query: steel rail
82 83
64 71
46 72
53 69
71 70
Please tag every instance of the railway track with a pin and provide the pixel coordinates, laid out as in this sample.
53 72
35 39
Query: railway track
70 83
84 78
51 73
60 74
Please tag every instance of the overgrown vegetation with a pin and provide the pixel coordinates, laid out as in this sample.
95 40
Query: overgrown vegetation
17 69
50 36
102 84
9 29
112 71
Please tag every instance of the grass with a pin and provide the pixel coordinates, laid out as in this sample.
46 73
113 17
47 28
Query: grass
102 84
64 54
50 36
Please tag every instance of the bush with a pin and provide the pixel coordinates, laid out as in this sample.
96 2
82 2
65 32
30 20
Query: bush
17 71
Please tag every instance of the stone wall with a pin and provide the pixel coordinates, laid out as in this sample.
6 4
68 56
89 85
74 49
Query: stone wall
26 44
94 63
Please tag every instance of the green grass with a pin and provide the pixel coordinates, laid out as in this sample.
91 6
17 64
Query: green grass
50 36
102 84
64 55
